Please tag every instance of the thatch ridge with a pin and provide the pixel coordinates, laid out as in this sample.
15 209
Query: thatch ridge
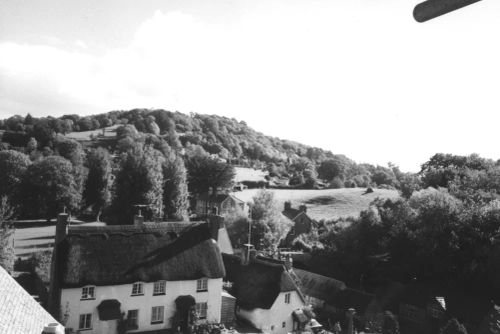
119 255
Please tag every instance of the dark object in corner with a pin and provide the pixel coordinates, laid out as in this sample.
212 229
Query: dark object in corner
430 9
368 190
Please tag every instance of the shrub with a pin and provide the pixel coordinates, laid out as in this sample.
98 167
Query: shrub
336 183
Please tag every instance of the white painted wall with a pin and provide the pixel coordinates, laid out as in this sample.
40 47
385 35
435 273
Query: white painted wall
71 302
280 312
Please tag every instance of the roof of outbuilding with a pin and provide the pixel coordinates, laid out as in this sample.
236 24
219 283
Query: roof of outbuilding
124 254
19 312
258 284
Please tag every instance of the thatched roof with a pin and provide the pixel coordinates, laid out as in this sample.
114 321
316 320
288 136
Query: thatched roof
258 284
113 255
319 286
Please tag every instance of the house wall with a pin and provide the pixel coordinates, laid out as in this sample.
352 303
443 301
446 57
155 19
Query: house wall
280 312
72 304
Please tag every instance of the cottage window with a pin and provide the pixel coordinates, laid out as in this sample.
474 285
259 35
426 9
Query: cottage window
287 298
137 289
272 327
157 314
132 319
88 292
202 285
292 231
201 310
85 321
159 288
283 324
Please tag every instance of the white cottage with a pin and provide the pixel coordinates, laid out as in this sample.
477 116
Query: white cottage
267 296
145 278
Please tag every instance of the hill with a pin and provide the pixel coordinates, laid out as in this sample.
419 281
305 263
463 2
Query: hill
325 204
288 162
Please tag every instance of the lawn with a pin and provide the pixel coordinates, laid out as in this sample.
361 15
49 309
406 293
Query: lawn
249 174
327 203
34 239
109 132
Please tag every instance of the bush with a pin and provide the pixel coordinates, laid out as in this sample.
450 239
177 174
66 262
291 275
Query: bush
336 183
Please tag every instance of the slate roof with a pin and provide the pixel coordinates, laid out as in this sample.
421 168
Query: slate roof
113 255
258 284
19 312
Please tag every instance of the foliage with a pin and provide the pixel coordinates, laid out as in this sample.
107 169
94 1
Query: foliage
97 192
139 181
237 224
390 324
269 226
7 253
13 166
206 172
453 327
48 186
175 192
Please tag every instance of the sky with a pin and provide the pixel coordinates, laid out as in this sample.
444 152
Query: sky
357 77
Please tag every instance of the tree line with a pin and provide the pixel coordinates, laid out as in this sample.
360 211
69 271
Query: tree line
143 170
226 138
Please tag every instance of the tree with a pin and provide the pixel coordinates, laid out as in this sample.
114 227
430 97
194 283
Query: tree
205 172
269 226
453 327
73 151
13 166
390 324
337 166
48 187
175 192
97 187
138 181
7 251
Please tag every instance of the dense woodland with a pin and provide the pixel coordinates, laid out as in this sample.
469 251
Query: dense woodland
163 156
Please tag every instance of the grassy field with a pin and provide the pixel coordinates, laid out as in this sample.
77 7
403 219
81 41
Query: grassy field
85 135
249 174
325 204
34 239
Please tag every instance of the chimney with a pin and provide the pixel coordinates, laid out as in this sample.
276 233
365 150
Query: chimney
303 208
249 253
215 223
54 289
138 220
288 205
61 227
288 262
53 328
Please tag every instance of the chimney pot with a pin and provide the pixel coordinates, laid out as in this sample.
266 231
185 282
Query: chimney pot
53 328
61 227
288 262
288 205
303 208
138 220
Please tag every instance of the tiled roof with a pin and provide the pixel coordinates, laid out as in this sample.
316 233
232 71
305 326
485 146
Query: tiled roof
19 312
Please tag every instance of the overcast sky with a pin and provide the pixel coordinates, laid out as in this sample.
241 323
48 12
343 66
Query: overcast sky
358 77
